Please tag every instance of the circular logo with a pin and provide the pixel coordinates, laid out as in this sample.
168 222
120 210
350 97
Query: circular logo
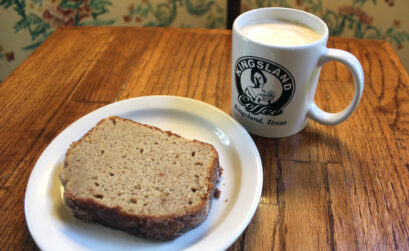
264 87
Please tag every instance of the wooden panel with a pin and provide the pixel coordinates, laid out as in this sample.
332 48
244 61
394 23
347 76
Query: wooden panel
13 225
35 91
268 153
390 86
318 142
341 222
334 70
119 56
196 65
378 195
262 232
303 207
377 179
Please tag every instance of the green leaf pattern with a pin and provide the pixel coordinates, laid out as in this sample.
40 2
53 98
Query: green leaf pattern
163 14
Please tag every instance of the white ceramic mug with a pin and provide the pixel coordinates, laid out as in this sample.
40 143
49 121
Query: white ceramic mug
293 72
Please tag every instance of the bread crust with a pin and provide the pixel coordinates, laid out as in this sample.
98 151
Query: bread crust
147 226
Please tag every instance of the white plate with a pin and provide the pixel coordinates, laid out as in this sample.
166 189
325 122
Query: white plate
54 228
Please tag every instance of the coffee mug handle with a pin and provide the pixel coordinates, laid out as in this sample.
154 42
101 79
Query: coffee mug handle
355 67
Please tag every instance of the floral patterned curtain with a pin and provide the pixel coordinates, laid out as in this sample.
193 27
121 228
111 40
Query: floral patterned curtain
25 24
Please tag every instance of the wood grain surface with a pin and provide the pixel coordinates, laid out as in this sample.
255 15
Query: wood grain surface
344 187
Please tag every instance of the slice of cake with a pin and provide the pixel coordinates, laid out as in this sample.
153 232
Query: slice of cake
140 179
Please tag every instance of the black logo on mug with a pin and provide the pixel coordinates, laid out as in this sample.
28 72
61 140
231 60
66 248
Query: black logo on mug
264 87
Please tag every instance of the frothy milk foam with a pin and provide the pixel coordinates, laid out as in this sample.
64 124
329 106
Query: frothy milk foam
281 33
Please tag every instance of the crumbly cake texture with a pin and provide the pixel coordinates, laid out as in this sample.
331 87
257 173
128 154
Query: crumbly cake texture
140 179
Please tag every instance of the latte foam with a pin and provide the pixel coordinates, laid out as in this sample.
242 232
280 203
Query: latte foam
281 33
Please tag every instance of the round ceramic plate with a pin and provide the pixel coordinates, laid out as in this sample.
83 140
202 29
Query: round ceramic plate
53 227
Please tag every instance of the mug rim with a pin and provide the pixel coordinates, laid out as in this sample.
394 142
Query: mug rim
323 38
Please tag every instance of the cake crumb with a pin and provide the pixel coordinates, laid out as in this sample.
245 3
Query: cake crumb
217 193
221 170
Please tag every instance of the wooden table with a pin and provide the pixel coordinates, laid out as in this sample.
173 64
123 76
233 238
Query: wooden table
344 187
